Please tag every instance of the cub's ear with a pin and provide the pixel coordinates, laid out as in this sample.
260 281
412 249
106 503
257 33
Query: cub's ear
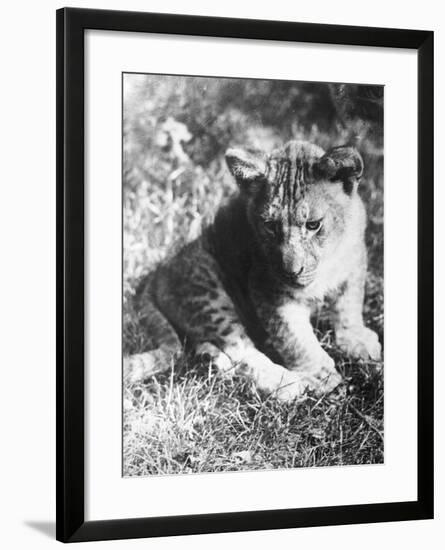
246 166
341 164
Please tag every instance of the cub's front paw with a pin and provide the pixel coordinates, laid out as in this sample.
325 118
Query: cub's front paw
319 376
290 386
323 377
359 342
275 380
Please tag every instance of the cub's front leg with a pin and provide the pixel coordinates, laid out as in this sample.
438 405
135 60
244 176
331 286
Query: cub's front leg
191 296
351 334
291 335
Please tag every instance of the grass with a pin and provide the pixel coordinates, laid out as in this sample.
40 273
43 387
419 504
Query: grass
191 419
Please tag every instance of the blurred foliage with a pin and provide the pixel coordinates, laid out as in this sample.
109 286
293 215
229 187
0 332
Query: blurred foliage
219 111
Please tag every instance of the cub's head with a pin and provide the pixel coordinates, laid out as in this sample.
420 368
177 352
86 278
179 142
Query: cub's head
299 201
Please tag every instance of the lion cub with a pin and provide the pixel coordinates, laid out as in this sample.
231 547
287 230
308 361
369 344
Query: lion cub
243 292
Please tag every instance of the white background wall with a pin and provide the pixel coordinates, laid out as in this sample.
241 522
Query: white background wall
27 232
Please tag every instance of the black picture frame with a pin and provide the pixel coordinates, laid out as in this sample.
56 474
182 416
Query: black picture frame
71 524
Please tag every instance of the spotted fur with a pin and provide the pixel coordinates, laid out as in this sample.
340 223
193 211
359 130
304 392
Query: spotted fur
243 292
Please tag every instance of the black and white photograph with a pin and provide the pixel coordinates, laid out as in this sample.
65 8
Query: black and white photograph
253 274
221 283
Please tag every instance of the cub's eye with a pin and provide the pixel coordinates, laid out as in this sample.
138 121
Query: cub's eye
313 225
272 227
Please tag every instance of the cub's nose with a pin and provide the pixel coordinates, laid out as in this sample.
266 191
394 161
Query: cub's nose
294 270
293 276
293 256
